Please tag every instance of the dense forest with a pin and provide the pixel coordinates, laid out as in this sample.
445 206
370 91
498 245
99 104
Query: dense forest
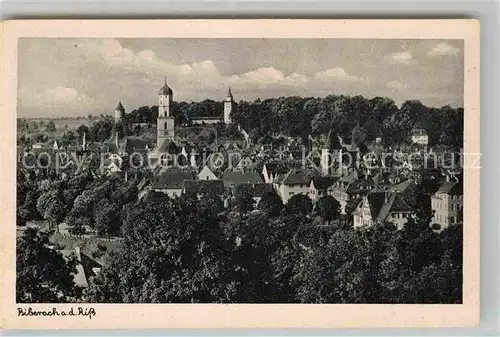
190 250
301 117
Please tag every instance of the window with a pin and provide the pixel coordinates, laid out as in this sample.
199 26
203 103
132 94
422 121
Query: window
452 207
403 215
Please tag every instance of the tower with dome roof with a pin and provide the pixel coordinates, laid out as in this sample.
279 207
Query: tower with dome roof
165 125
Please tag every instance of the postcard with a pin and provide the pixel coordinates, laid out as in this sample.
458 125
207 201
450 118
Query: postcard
240 174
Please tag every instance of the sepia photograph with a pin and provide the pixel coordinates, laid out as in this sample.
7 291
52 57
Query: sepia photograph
226 170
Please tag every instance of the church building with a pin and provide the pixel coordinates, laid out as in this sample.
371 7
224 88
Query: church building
225 117
165 123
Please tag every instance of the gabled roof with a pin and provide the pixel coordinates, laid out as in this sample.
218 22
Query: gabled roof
403 186
281 167
215 187
322 183
395 203
172 179
375 202
297 177
382 203
361 186
136 144
418 132
451 188
236 177
255 190
167 146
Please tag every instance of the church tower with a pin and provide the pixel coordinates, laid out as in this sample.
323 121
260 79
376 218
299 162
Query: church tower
228 107
119 112
165 123
329 154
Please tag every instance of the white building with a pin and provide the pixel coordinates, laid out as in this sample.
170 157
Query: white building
447 204
419 136
296 181
382 206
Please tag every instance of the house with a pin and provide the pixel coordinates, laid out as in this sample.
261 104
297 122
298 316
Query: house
111 167
204 120
171 182
419 136
244 163
447 204
319 187
254 190
234 178
207 174
296 181
351 186
166 154
382 206
271 170
132 144
201 187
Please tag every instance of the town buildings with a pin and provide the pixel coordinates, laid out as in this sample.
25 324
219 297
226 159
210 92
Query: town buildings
372 192
447 204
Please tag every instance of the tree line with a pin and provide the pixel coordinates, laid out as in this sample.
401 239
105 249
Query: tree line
301 117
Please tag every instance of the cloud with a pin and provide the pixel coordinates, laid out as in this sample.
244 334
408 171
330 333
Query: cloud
338 74
404 57
146 62
55 97
396 85
443 49
202 75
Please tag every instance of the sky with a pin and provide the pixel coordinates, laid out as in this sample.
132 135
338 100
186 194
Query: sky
76 77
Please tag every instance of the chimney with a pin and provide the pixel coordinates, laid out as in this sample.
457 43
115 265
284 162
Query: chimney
386 196
126 176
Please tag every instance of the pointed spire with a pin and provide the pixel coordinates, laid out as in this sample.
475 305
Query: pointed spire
120 107
229 96
117 141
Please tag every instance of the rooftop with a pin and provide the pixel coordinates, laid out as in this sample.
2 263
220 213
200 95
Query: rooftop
172 179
